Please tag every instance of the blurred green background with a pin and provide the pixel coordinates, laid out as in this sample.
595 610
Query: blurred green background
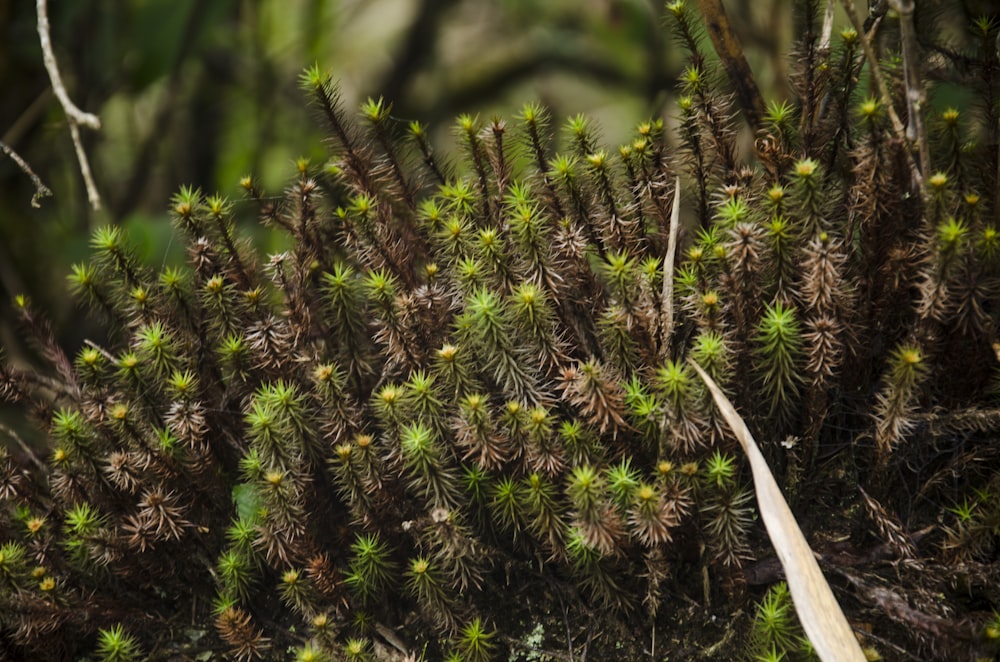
201 92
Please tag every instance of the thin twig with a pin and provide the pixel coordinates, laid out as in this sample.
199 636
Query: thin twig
75 116
883 90
41 190
105 353
915 130
569 633
667 294
92 195
827 33
25 448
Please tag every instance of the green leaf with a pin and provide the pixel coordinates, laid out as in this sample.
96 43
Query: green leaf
247 500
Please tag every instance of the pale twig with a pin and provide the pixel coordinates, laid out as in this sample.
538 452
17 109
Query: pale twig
915 97
105 353
75 116
92 195
667 295
41 190
28 451
827 33
883 90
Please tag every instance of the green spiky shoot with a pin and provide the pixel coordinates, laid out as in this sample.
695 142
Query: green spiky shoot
644 411
720 471
712 353
506 506
371 569
425 583
594 517
779 356
623 480
581 444
157 348
295 592
490 329
14 573
895 402
311 652
475 642
358 650
676 387
236 574
116 645
543 507
775 630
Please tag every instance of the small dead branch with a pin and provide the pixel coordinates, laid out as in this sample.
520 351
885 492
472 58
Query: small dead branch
41 190
889 527
28 451
896 607
916 133
667 295
885 98
76 117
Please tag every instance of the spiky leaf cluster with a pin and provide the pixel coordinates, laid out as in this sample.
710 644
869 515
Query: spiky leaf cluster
460 383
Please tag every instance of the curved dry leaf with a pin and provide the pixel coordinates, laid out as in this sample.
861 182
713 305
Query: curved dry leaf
818 610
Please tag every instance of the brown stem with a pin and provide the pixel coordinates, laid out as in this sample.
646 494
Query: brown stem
730 51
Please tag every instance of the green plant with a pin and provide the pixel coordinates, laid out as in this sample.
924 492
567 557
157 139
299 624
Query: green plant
474 643
461 382
115 645
356 650
775 632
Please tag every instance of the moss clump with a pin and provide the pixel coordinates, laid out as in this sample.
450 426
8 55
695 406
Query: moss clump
461 400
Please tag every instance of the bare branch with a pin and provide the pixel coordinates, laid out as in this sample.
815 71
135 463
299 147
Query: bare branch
915 96
41 190
92 195
883 89
28 451
75 116
824 39
667 295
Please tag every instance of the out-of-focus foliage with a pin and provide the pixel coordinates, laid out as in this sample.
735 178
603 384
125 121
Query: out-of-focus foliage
200 92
